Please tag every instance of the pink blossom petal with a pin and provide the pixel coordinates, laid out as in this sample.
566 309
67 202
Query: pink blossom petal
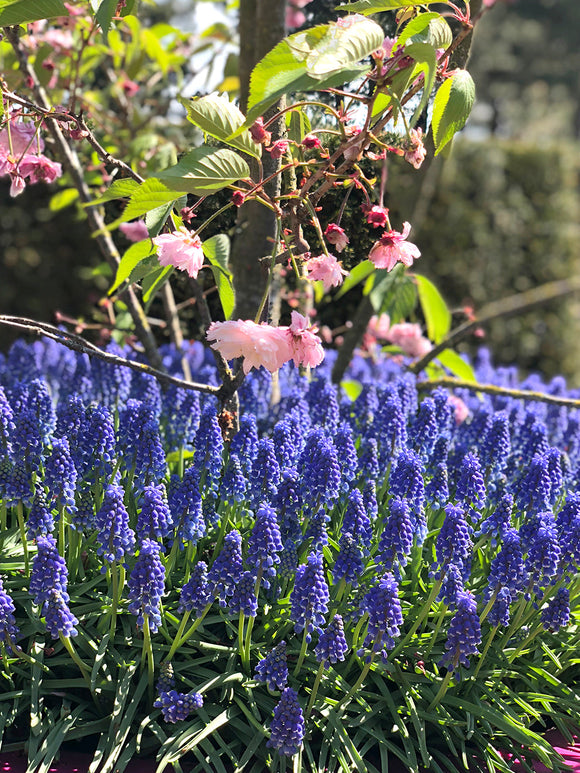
181 249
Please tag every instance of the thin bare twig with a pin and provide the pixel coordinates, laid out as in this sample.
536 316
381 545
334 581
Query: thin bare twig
79 344
504 308
491 389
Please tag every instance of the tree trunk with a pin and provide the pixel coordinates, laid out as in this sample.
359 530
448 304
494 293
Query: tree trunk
261 27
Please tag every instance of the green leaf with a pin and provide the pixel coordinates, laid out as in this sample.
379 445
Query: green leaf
352 389
225 290
298 125
205 170
285 68
156 218
402 300
377 6
154 281
104 15
358 274
435 311
119 189
218 117
63 199
217 250
430 28
14 12
150 195
426 58
451 107
132 257
453 362
345 43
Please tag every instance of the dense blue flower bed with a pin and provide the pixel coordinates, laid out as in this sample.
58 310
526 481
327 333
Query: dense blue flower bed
335 550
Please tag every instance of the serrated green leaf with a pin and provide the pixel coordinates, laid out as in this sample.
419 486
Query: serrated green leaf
430 28
217 250
284 70
119 189
205 170
377 6
345 43
156 218
401 303
150 195
357 275
437 315
26 11
218 117
453 362
451 107
132 257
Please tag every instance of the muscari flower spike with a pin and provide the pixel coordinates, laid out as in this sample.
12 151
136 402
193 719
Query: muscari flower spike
464 636
226 569
332 645
385 615
273 669
264 543
146 586
195 594
115 538
287 727
310 596
243 598
9 631
177 706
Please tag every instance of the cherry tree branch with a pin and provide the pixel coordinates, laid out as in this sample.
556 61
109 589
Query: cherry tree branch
491 389
504 308
79 344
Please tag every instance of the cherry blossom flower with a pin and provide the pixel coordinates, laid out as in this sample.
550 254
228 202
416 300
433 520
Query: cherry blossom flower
20 138
259 134
415 155
278 149
327 269
377 216
39 168
409 337
379 326
181 249
392 248
336 235
311 141
307 348
461 410
135 231
258 344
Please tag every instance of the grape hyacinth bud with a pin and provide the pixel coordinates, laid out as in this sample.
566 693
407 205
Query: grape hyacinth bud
406 482
226 569
186 509
507 567
166 679
209 446
470 486
310 596
346 455
356 519
454 545
61 475
115 537
534 490
319 471
425 429
495 446
176 706
58 617
9 631
273 669
451 586
265 474
499 520
332 646
499 614
368 463
464 635
245 443
544 551
556 614
146 585
397 538
244 596
40 521
349 564
385 615
288 559
234 482
154 519
287 727
49 571
264 543
391 427
195 594
97 445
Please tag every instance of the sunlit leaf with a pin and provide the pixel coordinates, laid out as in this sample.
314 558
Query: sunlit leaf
457 365
451 107
357 275
437 315
132 257
205 170
377 6
217 116
430 28
14 12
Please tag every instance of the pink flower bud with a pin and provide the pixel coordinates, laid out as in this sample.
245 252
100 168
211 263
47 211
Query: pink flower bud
278 149
259 134
238 198
336 235
311 141
135 231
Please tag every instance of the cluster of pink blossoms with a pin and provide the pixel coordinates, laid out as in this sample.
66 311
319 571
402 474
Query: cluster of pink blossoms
407 335
22 159
327 269
265 345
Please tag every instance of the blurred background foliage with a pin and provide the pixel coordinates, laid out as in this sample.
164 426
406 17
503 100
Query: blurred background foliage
499 216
